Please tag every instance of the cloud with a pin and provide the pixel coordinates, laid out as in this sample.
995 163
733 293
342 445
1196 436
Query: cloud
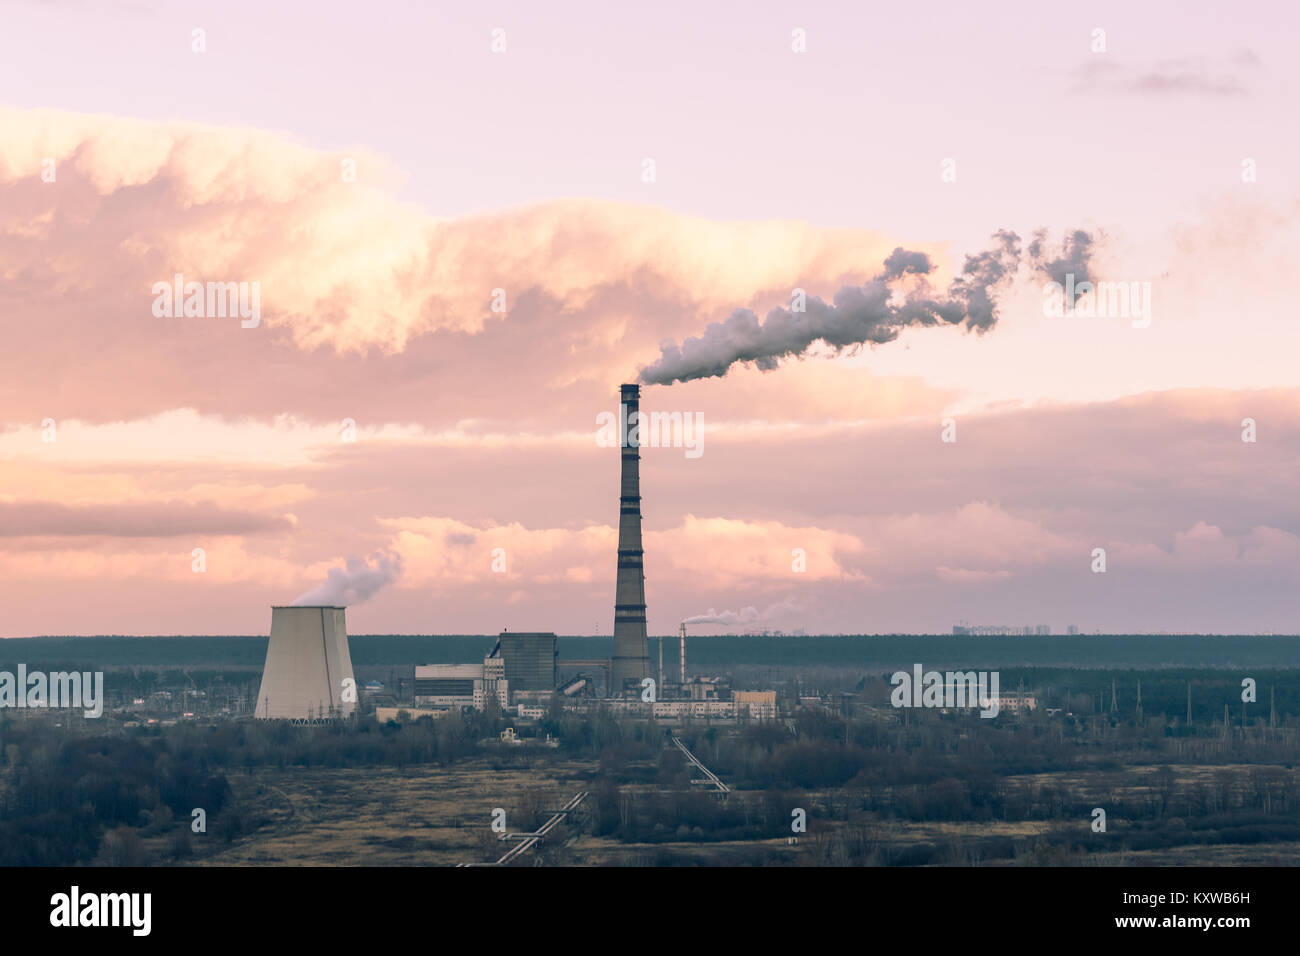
1183 76
378 312
166 572
977 539
157 520
346 265
720 551
355 287
967 576
899 530
1205 546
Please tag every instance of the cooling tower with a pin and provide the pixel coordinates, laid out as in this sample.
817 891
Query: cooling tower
308 666
631 652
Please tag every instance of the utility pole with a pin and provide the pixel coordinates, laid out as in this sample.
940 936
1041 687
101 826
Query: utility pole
1139 703
1112 695
1189 703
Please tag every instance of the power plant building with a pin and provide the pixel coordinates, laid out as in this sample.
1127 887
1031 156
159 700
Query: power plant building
462 685
308 670
631 662
530 660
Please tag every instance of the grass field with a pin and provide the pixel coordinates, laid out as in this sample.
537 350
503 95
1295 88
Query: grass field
440 816
423 816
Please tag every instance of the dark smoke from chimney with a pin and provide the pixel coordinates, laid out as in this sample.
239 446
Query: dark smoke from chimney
868 314
1074 259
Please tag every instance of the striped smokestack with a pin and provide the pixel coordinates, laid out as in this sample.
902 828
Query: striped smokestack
631 651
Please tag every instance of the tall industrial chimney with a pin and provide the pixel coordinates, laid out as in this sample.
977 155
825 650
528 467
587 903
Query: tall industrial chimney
631 652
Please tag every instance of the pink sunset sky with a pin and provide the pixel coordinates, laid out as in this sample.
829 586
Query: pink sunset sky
523 170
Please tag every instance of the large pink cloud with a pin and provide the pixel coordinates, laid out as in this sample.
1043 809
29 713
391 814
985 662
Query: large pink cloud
475 430
345 271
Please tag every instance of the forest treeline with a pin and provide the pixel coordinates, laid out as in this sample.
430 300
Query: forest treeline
867 652
1159 788
69 797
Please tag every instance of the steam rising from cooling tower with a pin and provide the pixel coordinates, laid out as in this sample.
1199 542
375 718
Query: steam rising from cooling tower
358 580
874 313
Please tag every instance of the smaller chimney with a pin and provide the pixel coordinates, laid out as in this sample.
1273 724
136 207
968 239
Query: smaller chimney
683 633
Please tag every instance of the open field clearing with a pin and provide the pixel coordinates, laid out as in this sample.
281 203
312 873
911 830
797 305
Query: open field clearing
422 816
440 816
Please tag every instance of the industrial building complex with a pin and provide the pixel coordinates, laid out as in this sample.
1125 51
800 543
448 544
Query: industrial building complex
308 673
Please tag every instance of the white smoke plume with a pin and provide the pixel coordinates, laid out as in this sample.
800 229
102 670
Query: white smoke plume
874 313
357 581
745 616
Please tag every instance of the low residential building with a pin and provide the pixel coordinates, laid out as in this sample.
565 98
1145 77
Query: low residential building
1017 702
